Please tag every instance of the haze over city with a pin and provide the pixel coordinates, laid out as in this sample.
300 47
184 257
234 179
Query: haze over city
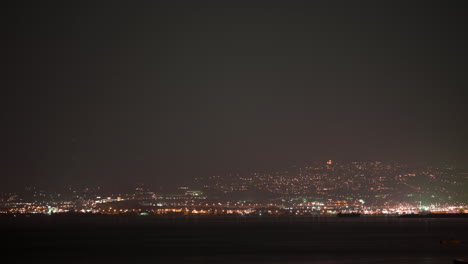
234 132
162 92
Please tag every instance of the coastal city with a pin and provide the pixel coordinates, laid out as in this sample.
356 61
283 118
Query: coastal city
328 188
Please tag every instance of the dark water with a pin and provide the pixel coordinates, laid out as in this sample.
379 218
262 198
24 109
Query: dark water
232 240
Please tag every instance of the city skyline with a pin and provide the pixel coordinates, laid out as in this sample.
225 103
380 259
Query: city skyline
230 173
234 132
375 182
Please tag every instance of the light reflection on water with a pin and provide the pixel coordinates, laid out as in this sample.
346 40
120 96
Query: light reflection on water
283 260
318 240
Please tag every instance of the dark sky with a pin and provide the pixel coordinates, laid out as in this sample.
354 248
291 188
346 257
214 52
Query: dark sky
163 92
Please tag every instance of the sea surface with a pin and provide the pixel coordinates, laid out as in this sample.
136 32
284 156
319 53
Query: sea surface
148 239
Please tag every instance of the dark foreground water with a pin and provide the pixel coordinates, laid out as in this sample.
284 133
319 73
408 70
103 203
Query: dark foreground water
231 240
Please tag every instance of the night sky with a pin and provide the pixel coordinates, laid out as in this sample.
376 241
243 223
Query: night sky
162 92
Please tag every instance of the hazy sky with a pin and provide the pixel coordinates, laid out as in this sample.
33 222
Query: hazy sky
164 92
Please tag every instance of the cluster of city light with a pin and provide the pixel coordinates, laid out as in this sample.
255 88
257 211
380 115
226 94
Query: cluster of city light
202 207
373 188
